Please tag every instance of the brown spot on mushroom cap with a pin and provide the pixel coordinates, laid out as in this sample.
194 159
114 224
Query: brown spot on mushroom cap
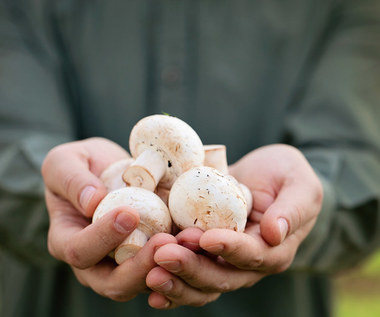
154 214
212 203
177 142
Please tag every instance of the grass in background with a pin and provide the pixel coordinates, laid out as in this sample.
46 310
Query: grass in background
358 292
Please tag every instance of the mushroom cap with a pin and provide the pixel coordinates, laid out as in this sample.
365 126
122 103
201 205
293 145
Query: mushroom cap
154 214
179 145
203 197
246 192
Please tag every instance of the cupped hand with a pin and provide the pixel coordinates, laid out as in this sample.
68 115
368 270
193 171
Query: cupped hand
73 190
287 198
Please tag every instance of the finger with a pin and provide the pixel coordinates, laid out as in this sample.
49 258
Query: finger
255 216
71 171
123 282
170 291
82 244
238 249
298 202
189 238
248 251
158 301
213 277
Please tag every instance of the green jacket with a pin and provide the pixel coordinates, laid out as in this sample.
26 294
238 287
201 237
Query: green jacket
244 73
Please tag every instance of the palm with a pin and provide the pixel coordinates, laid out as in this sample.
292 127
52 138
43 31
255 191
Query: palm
278 174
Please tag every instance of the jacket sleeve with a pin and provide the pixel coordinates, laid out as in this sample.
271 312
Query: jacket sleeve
336 123
33 119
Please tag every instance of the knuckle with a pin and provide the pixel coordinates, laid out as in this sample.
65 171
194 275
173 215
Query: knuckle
253 263
187 272
72 257
176 292
69 183
116 294
224 287
297 217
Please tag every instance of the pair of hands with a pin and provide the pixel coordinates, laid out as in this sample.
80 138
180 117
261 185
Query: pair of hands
287 199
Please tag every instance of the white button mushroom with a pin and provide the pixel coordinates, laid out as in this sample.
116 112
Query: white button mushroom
216 157
112 175
205 198
247 196
163 148
154 217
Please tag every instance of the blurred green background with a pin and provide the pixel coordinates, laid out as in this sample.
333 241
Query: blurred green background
358 292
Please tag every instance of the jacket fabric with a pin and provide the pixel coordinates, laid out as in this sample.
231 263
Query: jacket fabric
241 73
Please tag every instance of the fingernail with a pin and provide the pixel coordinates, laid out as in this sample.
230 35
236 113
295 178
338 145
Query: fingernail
215 248
86 196
191 246
125 222
165 287
167 304
283 225
171 266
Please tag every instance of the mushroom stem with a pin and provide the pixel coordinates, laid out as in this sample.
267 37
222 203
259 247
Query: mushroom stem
146 171
112 175
216 157
130 246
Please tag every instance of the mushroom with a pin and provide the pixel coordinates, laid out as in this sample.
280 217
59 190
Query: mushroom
154 217
247 195
205 198
163 148
245 191
112 178
112 175
216 157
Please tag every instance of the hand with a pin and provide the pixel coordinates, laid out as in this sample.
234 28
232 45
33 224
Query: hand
287 197
73 190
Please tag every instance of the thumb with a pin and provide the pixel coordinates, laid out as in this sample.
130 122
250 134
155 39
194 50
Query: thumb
295 206
66 172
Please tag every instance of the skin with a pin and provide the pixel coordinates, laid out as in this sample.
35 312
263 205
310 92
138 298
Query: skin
287 199
285 187
73 190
